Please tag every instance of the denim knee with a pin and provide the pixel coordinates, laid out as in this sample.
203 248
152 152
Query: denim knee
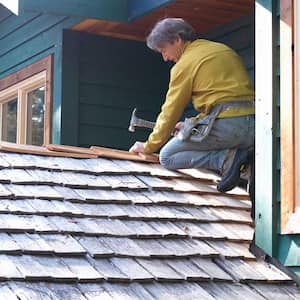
165 160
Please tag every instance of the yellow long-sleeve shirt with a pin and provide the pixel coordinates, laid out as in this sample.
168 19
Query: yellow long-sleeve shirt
208 73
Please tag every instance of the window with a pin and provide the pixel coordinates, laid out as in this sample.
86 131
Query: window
25 105
290 115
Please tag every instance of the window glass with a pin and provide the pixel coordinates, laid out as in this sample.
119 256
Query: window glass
9 121
35 116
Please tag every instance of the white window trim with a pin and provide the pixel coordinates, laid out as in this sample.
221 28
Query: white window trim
21 90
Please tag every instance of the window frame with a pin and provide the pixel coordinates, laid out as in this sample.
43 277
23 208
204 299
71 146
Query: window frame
38 71
289 112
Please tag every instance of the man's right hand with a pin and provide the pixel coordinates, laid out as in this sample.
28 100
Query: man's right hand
178 126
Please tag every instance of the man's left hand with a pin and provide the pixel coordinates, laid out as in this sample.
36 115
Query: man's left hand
138 147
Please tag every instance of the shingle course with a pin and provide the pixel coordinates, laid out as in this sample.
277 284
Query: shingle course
113 229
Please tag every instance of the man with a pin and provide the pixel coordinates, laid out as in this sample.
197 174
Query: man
213 76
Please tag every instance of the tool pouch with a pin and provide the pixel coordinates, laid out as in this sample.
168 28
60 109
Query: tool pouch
196 130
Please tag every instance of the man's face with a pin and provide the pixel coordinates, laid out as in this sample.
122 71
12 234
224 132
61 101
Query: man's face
172 51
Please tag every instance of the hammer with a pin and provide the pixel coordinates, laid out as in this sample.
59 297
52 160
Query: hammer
137 122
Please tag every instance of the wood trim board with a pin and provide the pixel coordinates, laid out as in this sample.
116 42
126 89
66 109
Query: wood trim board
287 107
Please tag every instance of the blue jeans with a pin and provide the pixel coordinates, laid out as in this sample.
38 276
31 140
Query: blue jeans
210 153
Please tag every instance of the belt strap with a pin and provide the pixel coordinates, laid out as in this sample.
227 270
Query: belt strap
216 109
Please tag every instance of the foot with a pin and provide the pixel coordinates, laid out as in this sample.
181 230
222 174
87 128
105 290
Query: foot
232 177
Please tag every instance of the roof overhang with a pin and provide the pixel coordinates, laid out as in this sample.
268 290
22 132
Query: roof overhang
112 10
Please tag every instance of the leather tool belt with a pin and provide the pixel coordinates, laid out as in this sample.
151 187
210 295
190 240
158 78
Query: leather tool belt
196 130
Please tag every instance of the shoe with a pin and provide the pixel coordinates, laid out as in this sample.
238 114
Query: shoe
232 177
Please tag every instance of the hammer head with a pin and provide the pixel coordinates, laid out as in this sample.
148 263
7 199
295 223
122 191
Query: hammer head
132 121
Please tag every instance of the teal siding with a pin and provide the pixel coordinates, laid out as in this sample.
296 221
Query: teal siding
27 38
114 76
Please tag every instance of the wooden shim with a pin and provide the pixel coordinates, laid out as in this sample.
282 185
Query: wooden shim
70 149
30 149
120 154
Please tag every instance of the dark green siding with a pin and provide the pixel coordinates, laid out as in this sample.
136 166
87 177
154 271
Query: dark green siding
29 37
113 76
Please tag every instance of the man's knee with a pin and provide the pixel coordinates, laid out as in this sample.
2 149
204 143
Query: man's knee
165 161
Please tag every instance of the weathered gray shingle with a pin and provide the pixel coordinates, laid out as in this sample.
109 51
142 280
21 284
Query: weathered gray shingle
113 229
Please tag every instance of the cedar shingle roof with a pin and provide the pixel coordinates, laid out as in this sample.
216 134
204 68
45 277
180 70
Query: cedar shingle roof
103 228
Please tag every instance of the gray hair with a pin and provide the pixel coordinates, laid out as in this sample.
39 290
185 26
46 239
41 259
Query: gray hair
168 31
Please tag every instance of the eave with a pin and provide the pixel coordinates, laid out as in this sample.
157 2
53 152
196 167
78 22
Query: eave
113 10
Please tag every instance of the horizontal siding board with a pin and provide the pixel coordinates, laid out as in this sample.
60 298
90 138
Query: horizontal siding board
111 85
115 10
13 23
29 31
4 14
222 31
239 39
28 61
114 96
33 47
117 138
108 116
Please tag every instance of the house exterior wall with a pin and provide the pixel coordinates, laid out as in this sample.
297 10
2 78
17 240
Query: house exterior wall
114 76
284 247
29 37
287 245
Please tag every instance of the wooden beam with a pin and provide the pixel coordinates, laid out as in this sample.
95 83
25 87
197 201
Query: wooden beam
287 134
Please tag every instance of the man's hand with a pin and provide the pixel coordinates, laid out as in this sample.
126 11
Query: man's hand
138 147
178 126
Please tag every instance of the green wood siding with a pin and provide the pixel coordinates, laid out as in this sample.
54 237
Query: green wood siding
113 10
114 76
29 37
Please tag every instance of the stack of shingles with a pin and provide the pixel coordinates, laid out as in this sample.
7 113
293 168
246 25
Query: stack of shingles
112 229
